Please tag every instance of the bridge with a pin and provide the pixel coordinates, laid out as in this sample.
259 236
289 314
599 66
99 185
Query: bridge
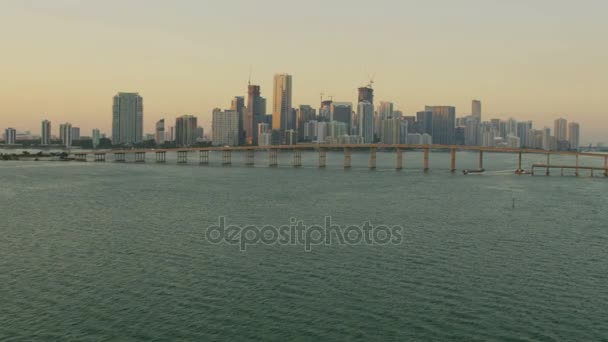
322 149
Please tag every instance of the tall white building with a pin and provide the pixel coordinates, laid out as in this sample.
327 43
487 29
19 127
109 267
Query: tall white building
385 110
281 103
10 136
574 135
65 133
160 132
225 127
561 134
96 136
547 139
186 130
365 112
45 133
127 119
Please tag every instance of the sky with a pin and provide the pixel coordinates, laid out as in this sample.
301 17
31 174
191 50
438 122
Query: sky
539 60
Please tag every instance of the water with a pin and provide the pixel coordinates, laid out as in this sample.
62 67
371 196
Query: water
105 251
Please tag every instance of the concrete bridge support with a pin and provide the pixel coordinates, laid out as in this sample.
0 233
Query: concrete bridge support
577 165
481 160
399 163
453 160
372 158
250 157
519 163
426 159
297 158
161 156
203 157
273 158
348 157
606 166
81 157
100 157
548 164
182 157
140 157
119 157
322 157
226 157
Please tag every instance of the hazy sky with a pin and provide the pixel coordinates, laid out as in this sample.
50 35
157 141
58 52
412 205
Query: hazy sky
530 59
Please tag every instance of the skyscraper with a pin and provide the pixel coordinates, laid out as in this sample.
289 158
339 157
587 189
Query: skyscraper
75 133
424 121
476 110
127 119
385 110
238 104
281 106
45 133
185 130
523 129
65 133
96 136
10 136
225 127
305 114
561 130
160 132
342 112
365 112
256 109
366 94
574 135
444 123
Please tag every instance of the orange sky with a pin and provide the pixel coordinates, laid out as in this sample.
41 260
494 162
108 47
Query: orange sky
63 60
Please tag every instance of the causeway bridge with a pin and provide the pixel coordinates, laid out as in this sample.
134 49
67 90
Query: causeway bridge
249 154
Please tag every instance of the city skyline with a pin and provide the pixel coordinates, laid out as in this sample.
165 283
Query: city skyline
532 71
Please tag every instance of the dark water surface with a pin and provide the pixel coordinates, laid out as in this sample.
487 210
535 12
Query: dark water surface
97 252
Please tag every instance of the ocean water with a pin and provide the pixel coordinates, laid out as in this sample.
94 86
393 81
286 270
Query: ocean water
107 251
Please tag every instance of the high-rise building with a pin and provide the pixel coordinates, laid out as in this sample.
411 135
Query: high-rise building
225 127
385 110
186 130
476 110
342 112
281 106
10 136
256 109
561 130
424 122
305 114
511 127
523 128
75 133
325 110
472 131
444 123
65 134
238 104
574 135
160 132
366 94
547 139
95 136
391 131
365 112
45 133
127 119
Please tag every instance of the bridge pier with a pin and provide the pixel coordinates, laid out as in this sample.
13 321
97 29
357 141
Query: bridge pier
480 160
606 166
519 169
297 158
119 157
182 157
203 157
273 158
161 156
249 157
348 157
100 157
81 157
226 157
453 160
426 159
140 157
322 157
372 158
399 165
577 164
548 161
